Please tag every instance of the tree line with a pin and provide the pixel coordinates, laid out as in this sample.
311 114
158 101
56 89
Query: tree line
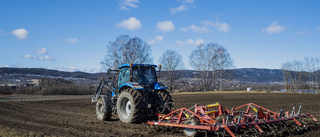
211 60
50 86
301 75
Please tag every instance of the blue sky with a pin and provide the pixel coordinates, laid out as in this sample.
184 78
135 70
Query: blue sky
72 35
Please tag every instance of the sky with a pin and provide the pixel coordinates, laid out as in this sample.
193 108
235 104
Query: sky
71 35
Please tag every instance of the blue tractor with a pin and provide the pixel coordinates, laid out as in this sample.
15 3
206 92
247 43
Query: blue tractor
134 94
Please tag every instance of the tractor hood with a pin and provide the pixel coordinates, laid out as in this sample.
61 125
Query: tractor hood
159 86
133 85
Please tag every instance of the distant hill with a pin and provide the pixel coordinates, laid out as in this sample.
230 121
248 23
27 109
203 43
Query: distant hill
243 75
255 75
47 72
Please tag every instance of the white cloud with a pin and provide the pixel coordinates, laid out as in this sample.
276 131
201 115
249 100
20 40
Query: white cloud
42 51
151 41
318 28
2 32
3 66
188 1
199 29
159 38
181 8
21 34
68 69
131 24
207 26
165 26
91 70
304 32
44 58
223 27
13 66
186 4
190 42
27 56
71 40
127 4
273 28
155 40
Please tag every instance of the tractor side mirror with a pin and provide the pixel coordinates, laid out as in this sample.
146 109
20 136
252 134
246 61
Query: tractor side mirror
109 71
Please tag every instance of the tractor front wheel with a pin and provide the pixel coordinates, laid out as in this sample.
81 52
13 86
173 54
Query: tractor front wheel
101 111
131 106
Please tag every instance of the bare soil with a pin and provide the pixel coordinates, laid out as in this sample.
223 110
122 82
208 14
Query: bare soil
76 116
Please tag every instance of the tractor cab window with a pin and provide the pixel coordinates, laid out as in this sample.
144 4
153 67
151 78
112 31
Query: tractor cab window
144 75
124 76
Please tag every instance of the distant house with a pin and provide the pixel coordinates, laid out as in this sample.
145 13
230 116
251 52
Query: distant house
248 88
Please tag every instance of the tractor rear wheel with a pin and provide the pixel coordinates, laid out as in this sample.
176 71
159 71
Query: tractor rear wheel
165 98
131 106
101 111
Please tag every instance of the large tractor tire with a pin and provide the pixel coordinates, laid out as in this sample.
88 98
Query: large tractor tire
166 98
101 111
131 106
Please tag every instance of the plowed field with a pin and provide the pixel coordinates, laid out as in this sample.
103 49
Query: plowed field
76 116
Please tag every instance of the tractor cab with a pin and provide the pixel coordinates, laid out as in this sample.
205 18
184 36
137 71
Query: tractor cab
140 73
138 77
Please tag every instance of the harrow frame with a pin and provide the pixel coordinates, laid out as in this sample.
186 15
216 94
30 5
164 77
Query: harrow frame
222 119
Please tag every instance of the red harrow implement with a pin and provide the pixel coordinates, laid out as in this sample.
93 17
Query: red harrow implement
255 120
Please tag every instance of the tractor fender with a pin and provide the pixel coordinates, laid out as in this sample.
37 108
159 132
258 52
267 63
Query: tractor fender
159 86
107 103
133 85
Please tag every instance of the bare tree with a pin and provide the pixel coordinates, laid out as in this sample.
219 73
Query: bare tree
210 59
172 61
224 62
312 66
286 74
127 50
199 61
317 73
295 74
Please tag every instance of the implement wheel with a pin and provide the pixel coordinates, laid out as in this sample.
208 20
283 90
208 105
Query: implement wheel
189 131
101 111
131 106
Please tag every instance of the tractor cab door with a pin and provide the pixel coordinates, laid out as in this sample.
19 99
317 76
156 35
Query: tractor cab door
124 76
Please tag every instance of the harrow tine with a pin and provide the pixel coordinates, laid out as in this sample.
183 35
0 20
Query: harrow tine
299 111
281 112
293 109
227 119
239 118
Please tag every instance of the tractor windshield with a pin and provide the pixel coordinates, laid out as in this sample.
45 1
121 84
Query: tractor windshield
144 75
